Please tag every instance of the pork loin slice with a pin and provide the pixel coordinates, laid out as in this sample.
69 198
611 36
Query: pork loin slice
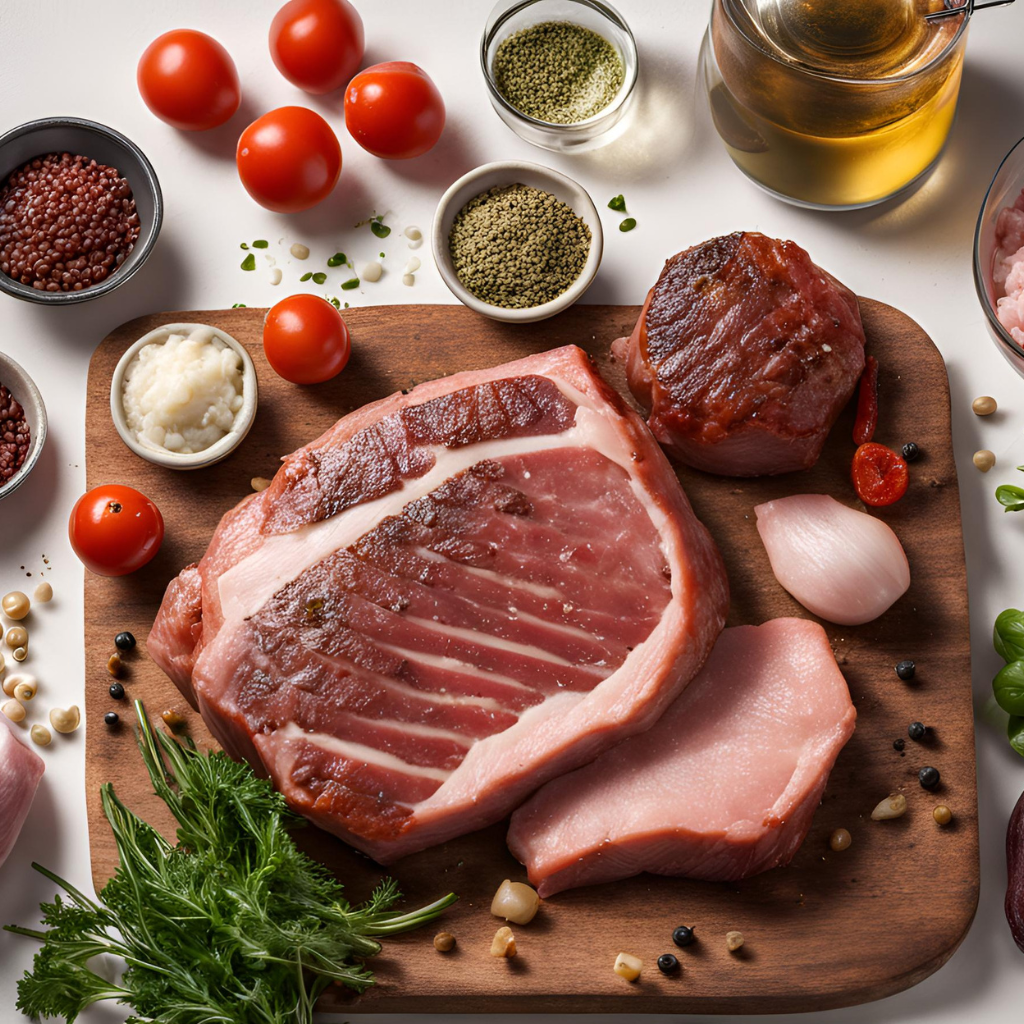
722 787
744 354
449 598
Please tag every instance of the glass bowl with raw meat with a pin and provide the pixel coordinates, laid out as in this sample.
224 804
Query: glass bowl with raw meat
999 257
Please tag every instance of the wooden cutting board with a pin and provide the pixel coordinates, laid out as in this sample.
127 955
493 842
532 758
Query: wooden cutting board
832 928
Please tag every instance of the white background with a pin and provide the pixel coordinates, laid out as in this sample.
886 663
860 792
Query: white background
79 58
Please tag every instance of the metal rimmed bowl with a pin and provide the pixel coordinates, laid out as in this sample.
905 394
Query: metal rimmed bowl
25 392
219 450
105 146
511 16
1005 188
511 172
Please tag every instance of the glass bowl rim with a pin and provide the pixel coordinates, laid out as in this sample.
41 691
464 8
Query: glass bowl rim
980 284
625 91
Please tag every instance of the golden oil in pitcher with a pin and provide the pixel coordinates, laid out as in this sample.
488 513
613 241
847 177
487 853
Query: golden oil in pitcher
833 103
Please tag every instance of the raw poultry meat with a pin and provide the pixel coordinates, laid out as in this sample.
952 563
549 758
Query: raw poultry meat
744 354
722 787
20 772
449 598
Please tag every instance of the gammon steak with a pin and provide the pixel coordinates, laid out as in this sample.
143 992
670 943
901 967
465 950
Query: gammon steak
451 597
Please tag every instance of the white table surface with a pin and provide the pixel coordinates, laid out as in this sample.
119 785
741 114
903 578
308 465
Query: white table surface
63 57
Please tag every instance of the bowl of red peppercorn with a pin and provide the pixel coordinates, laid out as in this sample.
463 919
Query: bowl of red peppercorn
22 425
80 210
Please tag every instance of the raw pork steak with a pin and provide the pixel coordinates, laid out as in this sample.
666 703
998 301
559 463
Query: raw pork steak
725 784
449 598
744 354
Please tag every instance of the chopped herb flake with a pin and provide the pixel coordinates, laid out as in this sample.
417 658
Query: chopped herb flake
381 255
249 263
337 260
334 301
319 277
350 284
243 246
618 203
238 305
261 243
306 276
628 224
379 228
346 305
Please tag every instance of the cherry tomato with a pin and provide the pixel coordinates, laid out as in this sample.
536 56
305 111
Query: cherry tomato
317 44
289 159
879 475
115 530
306 339
394 110
188 80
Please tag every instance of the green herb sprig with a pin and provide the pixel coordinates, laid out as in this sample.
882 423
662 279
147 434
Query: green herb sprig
233 923
1008 684
1010 496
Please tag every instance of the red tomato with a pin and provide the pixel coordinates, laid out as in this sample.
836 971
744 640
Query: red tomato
317 44
306 339
188 80
879 475
394 110
115 530
289 159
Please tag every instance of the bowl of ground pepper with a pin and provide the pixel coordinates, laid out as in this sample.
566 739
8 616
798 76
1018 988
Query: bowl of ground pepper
516 241
80 210
560 73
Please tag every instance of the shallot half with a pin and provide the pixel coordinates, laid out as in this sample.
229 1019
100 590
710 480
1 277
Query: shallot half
20 771
843 565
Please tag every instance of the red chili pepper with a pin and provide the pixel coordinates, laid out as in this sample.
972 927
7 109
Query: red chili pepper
867 403
879 475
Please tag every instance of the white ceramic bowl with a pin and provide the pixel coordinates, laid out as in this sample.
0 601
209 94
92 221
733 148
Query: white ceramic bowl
23 388
508 173
216 452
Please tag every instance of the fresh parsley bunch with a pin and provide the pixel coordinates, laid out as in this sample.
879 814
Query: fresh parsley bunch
231 924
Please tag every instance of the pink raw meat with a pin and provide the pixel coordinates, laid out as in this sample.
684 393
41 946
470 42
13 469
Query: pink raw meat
20 772
1008 269
449 598
722 787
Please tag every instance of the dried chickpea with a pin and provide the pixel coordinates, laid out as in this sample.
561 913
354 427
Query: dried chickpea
504 943
628 966
984 460
444 942
43 593
840 840
17 636
942 815
15 605
14 710
65 720
985 405
516 902
15 679
25 688
40 735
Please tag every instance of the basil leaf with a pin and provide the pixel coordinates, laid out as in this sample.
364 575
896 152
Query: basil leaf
1008 635
1010 497
628 224
1008 686
261 243
337 260
306 276
1015 733
351 283
379 229
319 277
618 203
249 263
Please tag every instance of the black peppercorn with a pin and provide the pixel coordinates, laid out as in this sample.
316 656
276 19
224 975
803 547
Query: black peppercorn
911 451
905 670
116 691
683 936
111 718
124 641
928 777
667 963
898 744
916 730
